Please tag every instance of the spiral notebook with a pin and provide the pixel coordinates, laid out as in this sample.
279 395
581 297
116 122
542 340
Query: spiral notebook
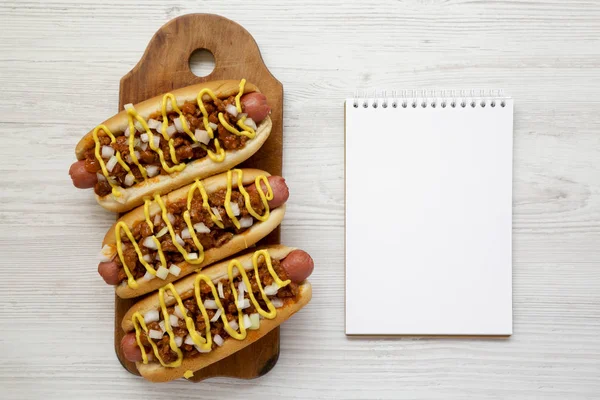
429 215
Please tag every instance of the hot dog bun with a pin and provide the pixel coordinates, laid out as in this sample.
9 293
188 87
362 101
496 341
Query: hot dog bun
133 196
238 243
155 372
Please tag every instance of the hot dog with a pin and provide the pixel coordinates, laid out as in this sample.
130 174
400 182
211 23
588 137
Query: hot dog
168 141
210 315
173 235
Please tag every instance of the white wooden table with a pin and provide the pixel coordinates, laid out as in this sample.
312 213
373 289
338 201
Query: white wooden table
60 65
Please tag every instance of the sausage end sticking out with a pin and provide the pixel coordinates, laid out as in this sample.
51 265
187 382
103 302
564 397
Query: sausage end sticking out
298 265
109 271
81 177
255 105
281 191
130 348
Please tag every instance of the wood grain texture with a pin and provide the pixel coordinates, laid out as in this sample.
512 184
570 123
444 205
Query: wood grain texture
63 59
236 56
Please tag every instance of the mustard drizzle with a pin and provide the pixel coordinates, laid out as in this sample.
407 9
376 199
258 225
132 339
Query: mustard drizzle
197 185
132 116
205 343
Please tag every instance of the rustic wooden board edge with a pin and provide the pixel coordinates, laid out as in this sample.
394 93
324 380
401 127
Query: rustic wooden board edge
236 56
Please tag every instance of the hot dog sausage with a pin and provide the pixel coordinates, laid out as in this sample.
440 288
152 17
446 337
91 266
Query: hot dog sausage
81 177
130 348
298 265
280 190
255 105
109 271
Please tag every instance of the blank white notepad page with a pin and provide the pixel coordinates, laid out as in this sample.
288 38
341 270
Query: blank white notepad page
428 219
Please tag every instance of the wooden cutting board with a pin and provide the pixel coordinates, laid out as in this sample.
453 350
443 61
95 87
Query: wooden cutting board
164 67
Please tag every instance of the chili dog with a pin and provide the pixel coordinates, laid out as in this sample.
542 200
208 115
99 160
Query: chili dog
168 141
208 316
173 235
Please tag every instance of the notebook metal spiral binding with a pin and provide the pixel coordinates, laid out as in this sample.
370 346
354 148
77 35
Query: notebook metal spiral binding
425 98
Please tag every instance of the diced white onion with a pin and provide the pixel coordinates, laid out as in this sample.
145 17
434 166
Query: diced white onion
254 321
162 272
188 340
201 350
157 256
149 243
247 322
178 124
129 179
144 137
107 253
241 115
138 126
178 341
179 240
213 126
216 316
157 219
178 312
220 290
235 208
246 222
218 340
202 136
171 217
195 144
271 290
152 170
201 228
215 211
126 132
156 335
151 316
154 124
210 304
162 326
174 270
107 152
100 177
156 140
128 107
110 164
137 154
185 234
137 143
112 180
192 256
242 288
144 146
148 276
162 232
128 159
147 257
230 108
243 303
234 325
173 320
277 302
250 122
171 130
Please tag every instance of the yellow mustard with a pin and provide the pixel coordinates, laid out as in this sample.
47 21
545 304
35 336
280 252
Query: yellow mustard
132 117
205 342
197 185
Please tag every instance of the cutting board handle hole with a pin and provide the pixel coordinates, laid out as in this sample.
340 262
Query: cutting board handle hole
202 62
